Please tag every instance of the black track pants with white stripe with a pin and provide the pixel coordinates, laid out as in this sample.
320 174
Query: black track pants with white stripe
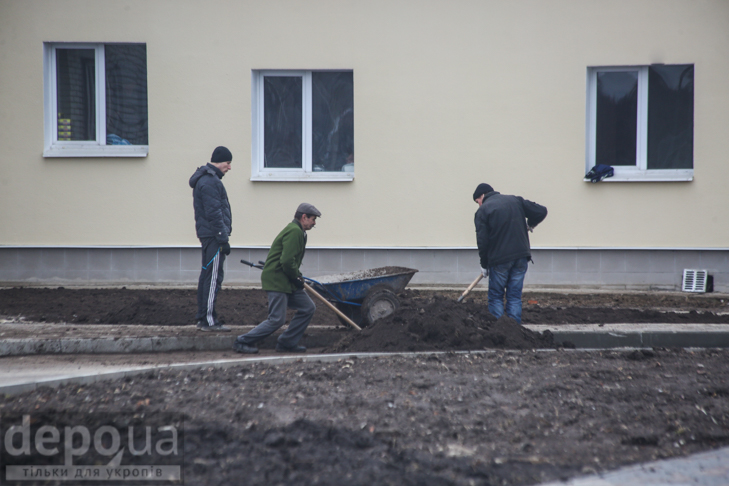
211 278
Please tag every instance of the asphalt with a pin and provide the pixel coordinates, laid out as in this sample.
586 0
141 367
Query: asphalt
34 355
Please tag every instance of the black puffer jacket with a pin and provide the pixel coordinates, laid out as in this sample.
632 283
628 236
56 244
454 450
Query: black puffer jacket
501 228
213 218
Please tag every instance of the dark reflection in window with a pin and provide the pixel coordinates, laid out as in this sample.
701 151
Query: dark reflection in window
332 121
617 111
76 94
282 107
126 94
671 117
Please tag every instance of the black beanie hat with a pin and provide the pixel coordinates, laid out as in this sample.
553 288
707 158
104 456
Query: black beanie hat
221 154
481 190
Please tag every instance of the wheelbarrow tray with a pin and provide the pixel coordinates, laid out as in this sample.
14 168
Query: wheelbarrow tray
354 286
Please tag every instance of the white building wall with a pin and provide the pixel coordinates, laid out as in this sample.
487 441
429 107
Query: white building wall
447 94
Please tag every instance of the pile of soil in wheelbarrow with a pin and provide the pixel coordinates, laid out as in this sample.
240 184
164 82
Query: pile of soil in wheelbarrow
440 323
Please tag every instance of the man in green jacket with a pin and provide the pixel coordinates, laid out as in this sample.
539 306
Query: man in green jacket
283 282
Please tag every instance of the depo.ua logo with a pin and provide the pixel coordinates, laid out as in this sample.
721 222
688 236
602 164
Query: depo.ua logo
91 447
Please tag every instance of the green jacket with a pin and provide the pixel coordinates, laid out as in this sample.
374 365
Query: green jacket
284 259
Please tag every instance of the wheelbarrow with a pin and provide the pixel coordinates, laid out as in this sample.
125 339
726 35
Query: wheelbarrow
364 296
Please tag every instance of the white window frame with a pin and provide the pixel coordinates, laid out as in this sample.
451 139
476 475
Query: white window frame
639 172
306 173
94 148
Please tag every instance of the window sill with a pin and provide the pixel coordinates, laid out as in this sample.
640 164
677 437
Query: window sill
686 175
98 151
303 177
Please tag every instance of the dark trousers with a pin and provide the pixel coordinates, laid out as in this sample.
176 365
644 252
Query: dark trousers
278 302
211 278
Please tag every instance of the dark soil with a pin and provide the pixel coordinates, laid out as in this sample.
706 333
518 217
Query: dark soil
512 415
426 321
175 307
440 323
494 418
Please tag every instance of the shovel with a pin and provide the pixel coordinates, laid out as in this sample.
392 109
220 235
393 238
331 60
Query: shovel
316 294
470 287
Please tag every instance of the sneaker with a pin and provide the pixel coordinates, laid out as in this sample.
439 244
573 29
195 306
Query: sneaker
293 349
215 328
200 324
244 348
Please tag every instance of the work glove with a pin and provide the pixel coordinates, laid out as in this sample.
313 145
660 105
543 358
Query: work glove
298 283
225 248
485 272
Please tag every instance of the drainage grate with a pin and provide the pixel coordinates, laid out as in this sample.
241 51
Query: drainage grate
694 280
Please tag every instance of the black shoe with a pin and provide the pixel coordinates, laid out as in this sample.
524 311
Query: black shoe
200 324
215 328
244 348
293 349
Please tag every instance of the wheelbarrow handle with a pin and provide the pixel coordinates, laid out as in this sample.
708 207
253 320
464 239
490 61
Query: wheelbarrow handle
246 262
316 294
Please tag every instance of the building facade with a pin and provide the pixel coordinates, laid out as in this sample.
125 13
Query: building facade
107 108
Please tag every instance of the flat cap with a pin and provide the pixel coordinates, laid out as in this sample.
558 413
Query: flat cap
309 209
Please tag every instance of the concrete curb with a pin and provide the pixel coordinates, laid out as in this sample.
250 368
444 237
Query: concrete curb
640 336
126 371
582 336
21 347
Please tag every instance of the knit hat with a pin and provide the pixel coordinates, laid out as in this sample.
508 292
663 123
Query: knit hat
481 190
221 154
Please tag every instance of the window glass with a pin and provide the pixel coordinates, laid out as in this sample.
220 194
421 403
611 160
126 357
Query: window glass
332 121
617 109
282 121
76 94
670 116
126 94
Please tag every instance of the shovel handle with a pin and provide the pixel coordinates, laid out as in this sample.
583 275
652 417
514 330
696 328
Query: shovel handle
329 304
470 287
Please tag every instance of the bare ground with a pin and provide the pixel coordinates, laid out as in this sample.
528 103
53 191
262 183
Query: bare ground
511 414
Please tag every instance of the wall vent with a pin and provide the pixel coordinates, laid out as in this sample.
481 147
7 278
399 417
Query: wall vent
694 280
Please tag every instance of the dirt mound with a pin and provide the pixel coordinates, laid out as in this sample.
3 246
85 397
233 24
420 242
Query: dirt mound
440 323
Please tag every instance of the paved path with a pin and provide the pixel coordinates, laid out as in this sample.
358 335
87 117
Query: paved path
704 469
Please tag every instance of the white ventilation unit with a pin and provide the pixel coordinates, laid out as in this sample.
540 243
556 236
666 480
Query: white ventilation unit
694 280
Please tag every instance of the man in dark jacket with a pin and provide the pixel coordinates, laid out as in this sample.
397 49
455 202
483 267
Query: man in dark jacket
284 285
502 223
213 223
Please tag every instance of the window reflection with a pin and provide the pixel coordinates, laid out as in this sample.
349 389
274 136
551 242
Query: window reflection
617 110
671 117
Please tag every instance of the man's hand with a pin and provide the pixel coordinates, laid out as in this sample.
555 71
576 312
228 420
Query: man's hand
225 248
485 272
298 283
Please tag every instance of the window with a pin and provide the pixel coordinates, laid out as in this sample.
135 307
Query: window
641 121
96 100
303 126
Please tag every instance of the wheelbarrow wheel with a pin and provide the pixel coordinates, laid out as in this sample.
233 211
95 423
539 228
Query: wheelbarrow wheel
354 312
379 303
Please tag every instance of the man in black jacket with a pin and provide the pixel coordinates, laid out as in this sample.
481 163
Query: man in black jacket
502 223
213 224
